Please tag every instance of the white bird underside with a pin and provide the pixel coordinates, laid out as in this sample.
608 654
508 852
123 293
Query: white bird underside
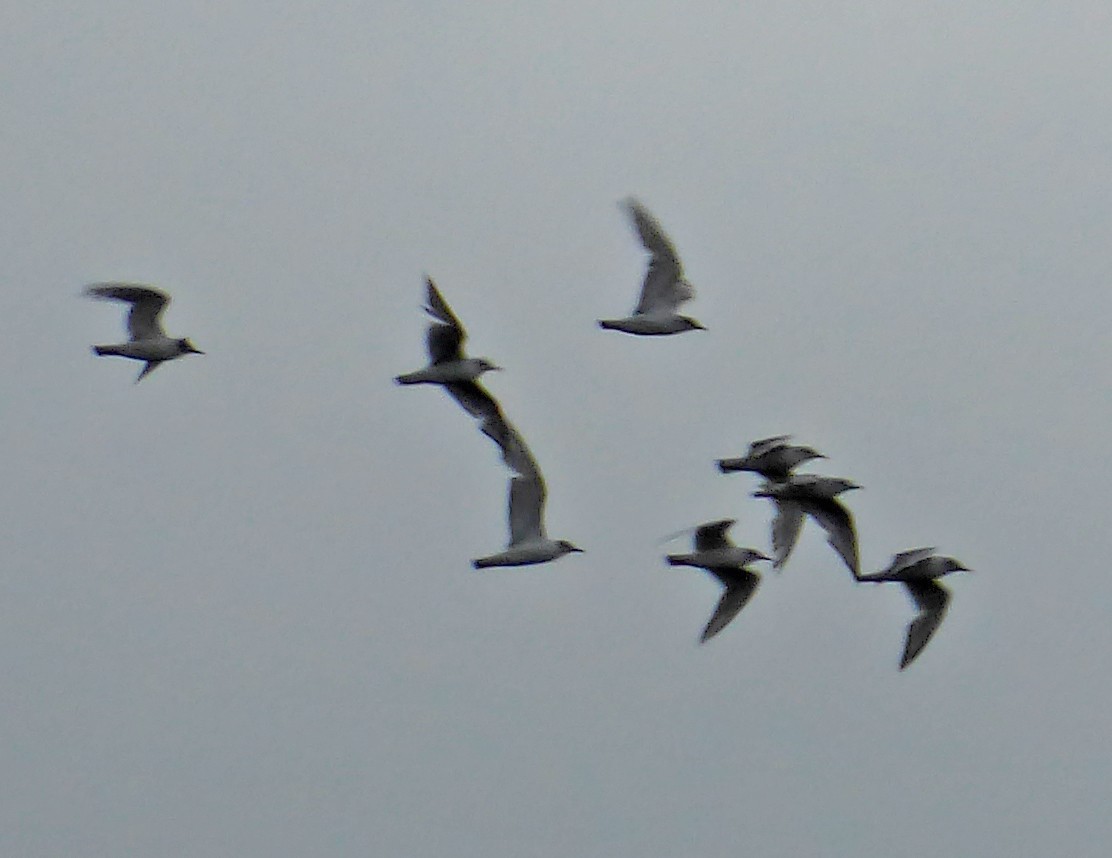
444 339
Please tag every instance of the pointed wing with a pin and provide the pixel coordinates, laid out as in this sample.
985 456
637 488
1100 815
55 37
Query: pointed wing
932 599
763 445
785 531
740 586
840 532
446 335
146 305
474 399
713 535
664 287
526 509
515 453
150 367
909 558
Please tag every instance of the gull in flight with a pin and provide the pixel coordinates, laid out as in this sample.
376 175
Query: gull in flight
528 542
447 361
664 288
810 494
918 570
148 342
727 562
773 458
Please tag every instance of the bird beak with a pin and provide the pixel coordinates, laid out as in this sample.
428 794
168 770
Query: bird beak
194 350
762 556
577 550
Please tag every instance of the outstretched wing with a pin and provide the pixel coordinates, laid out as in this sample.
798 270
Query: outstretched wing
712 535
526 509
446 335
840 532
909 558
740 586
785 531
932 599
664 287
146 302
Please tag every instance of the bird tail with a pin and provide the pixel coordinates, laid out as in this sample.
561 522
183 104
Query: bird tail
608 324
679 559
483 563
728 465
105 350
409 378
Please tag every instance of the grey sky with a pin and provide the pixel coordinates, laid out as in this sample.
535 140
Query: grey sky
237 616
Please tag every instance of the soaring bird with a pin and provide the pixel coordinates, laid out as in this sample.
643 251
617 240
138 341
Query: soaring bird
810 494
148 342
664 288
445 339
918 570
728 563
773 458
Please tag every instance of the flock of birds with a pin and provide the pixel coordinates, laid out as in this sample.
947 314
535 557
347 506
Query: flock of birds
795 496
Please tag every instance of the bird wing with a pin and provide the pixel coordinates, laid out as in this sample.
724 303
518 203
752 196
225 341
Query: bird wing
909 558
932 600
146 305
712 535
526 509
785 530
474 399
763 445
664 287
740 586
446 335
840 532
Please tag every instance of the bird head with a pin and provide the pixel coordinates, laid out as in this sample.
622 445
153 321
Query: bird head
690 324
567 548
486 366
188 347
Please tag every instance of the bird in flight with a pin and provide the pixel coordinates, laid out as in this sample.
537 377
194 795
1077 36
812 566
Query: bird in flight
446 335
773 458
810 494
148 342
728 563
664 289
919 570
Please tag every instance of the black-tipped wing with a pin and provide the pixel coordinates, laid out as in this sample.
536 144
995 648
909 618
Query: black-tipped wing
932 600
840 532
712 535
446 335
740 586
146 305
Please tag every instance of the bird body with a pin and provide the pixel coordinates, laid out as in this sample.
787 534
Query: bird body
148 342
664 288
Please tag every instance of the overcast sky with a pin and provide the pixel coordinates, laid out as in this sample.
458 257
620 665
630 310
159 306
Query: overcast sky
237 613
